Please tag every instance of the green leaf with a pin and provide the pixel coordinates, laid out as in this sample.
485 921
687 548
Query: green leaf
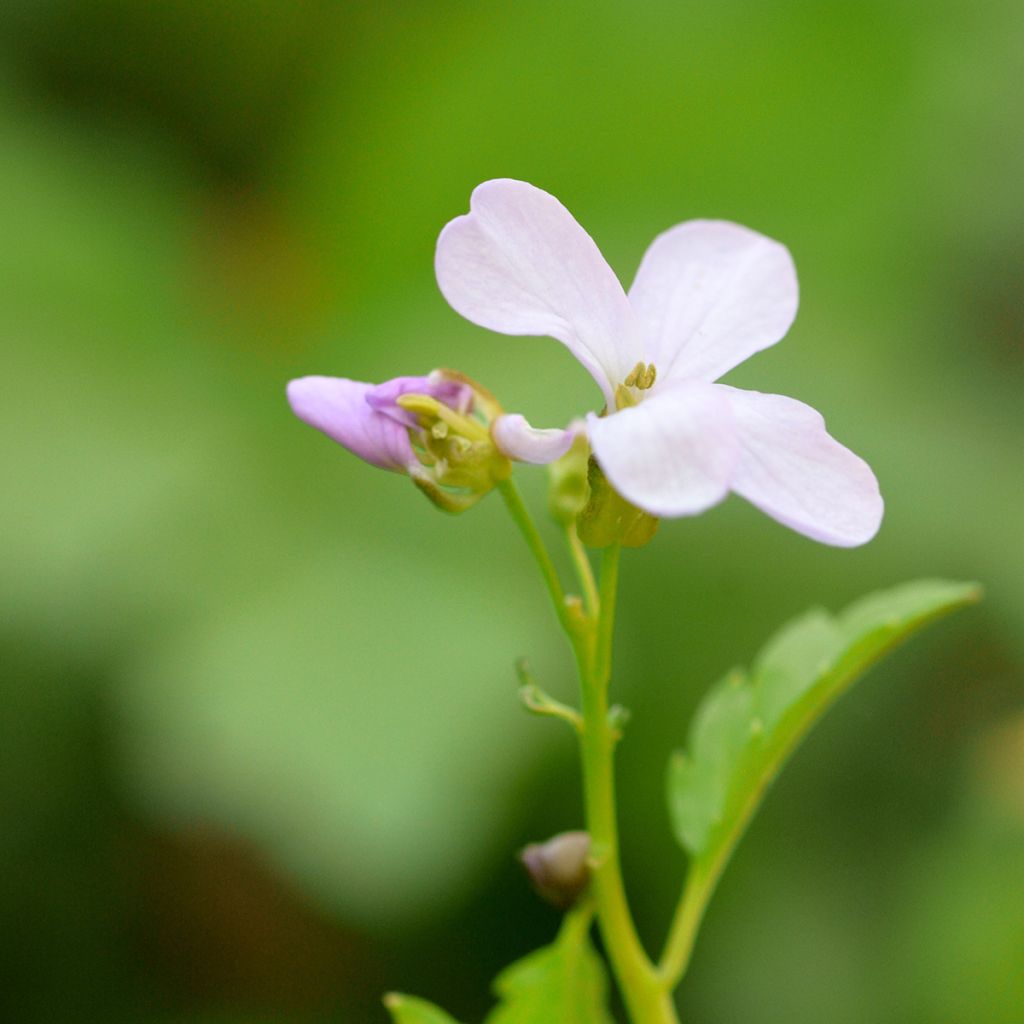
565 981
410 1010
748 725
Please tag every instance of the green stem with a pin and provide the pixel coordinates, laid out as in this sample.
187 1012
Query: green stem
647 999
584 571
701 880
699 887
606 616
523 519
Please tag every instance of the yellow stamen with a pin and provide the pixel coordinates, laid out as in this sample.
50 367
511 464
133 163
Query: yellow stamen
634 375
640 378
430 410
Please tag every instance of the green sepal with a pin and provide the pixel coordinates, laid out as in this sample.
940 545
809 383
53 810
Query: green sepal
568 490
608 518
748 725
453 502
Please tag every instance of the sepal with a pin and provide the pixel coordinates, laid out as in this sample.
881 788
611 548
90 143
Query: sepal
457 460
568 490
608 518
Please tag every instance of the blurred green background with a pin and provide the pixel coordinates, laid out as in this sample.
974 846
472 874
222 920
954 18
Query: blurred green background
260 754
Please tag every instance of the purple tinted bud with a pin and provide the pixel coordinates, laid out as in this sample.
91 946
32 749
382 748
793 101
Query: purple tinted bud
453 393
434 428
339 408
559 868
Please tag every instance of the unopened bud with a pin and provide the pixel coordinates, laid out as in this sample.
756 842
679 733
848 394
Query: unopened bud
458 462
608 518
567 482
559 868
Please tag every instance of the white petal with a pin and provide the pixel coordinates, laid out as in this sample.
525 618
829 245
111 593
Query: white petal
671 455
791 468
709 294
516 439
519 263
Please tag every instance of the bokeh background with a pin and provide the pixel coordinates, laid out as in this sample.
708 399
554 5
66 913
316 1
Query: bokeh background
260 753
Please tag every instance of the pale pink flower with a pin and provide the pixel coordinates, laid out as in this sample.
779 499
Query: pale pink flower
708 295
367 419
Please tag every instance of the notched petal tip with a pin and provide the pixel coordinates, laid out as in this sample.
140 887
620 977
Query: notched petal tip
519 263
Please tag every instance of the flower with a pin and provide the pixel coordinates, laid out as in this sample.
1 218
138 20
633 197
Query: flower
708 295
433 428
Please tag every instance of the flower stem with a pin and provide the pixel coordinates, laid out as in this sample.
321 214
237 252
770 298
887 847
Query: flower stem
527 527
584 572
645 995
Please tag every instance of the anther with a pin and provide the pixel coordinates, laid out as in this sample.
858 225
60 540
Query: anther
634 375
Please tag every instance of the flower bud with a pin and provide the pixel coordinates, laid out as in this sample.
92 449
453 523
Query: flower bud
457 460
567 482
559 868
435 429
608 518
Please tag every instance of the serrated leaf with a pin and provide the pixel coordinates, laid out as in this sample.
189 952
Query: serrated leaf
410 1010
563 982
746 727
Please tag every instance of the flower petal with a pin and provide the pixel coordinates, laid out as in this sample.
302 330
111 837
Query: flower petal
709 294
338 408
519 263
671 455
516 439
793 470
453 393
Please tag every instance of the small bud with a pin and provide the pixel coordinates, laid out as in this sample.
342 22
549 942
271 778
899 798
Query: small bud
608 518
618 719
558 868
567 482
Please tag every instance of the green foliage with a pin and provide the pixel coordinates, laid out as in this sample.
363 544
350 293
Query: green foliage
565 981
228 584
410 1010
749 724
